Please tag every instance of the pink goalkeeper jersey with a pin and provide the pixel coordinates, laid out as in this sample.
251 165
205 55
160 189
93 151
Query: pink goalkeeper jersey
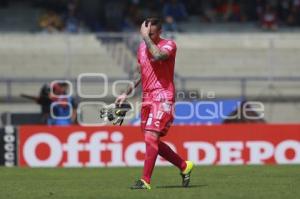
157 76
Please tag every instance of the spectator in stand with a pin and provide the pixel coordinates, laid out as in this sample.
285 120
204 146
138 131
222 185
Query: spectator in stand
149 9
93 14
72 19
208 11
173 12
247 10
176 10
229 10
259 9
170 25
114 15
63 107
55 105
44 100
269 19
293 18
51 22
284 10
134 16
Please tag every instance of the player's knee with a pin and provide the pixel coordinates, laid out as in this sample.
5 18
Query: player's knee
151 136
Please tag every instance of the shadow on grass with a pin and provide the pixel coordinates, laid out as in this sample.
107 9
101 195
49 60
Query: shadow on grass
179 186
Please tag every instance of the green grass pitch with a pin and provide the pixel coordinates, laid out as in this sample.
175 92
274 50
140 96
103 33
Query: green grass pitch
209 182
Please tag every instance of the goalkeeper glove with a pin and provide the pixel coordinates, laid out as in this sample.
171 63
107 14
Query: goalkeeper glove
115 113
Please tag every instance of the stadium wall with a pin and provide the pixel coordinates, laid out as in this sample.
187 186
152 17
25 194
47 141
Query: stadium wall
110 146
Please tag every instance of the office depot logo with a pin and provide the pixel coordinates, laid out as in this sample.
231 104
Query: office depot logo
93 146
124 146
231 152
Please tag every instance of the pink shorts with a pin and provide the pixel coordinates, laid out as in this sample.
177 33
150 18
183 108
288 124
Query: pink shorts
157 116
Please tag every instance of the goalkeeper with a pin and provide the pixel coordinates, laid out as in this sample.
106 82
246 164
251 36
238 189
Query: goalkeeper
156 60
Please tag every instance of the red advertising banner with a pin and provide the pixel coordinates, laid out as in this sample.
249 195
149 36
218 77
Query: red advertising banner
75 146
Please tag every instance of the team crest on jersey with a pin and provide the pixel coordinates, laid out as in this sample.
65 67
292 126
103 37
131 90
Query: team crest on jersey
168 47
157 123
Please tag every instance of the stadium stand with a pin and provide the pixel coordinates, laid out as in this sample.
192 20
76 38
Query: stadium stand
18 17
239 55
207 55
234 58
243 54
53 56
229 57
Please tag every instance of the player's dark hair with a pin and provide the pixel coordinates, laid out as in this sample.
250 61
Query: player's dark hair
155 21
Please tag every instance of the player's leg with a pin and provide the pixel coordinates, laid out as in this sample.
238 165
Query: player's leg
160 120
164 118
153 129
151 140
185 167
155 123
167 153
144 182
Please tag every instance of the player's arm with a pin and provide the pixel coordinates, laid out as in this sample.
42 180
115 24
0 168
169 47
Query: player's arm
154 50
157 53
31 97
136 81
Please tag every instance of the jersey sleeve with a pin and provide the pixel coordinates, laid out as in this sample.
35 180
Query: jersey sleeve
169 47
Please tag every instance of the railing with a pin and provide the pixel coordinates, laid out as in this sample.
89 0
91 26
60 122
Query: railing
8 84
243 83
181 84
